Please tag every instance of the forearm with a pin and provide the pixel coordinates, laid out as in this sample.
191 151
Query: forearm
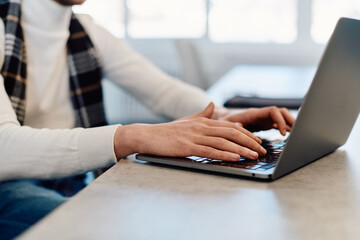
160 92
27 153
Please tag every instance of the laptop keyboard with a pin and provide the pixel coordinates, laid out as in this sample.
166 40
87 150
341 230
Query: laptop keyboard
273 148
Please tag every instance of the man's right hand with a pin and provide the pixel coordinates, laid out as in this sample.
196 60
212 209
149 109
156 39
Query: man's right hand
196 135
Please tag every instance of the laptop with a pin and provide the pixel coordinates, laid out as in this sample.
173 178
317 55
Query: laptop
324 122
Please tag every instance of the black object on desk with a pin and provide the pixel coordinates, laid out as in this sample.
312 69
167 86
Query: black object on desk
246 102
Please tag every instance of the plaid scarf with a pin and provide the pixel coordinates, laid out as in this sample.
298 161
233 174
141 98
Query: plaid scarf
84 68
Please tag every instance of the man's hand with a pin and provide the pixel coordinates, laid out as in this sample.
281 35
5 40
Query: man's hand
197 135
256 119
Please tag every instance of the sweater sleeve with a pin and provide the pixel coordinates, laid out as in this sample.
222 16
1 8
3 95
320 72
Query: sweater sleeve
28 153
162 93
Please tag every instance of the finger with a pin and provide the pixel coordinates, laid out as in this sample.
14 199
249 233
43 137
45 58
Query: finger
289 118
216 123
237 137
228 146
277 117
212 153
288 128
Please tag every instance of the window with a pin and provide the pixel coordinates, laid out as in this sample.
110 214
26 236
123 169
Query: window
327 12
166 19
108 13
253 21
222 21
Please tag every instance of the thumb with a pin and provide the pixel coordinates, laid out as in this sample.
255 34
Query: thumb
207 112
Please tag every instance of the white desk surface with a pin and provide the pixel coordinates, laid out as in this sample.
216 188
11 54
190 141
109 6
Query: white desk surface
136 200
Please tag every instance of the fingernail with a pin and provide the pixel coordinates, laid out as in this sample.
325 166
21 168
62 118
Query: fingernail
254 154
259 140
263 151
235 157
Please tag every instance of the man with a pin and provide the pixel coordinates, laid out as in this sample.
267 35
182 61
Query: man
52 116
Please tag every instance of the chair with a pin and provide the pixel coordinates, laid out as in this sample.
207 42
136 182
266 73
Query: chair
192 67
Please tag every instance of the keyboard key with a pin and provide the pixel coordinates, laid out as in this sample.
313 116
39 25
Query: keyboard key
194 158
256 167
271 165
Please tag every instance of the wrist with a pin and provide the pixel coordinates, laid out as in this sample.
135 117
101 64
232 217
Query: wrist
126 140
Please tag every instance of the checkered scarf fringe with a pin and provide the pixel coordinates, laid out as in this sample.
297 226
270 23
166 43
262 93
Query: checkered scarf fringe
83 62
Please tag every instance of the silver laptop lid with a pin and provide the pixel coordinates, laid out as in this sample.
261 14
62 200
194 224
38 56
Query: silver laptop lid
332 103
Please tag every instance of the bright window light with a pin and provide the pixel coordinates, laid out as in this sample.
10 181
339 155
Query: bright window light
327 12
108 13
166 18
262 21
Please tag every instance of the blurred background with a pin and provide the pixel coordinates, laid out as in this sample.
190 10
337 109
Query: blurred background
199 41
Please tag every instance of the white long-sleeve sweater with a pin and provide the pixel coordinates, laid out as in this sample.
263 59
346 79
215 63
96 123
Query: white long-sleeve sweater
48 146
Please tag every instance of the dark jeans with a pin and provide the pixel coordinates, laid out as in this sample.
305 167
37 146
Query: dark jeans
23 203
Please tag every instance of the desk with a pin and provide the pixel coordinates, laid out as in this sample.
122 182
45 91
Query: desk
136 200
